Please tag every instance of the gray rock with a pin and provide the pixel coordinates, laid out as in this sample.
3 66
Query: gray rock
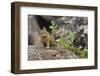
50 54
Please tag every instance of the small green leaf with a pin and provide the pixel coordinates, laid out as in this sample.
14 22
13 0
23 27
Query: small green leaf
52 22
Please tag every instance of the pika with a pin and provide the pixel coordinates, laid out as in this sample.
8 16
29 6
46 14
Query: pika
45 37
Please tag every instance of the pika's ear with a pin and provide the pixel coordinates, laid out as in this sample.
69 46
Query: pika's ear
44 29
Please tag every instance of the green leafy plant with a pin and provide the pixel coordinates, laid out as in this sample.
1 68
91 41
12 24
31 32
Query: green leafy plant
70 36
53 27
66 43
83 53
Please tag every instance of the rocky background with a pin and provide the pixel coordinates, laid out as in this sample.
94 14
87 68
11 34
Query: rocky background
73 29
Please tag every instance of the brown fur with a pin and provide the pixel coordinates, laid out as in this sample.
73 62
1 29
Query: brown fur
45 37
